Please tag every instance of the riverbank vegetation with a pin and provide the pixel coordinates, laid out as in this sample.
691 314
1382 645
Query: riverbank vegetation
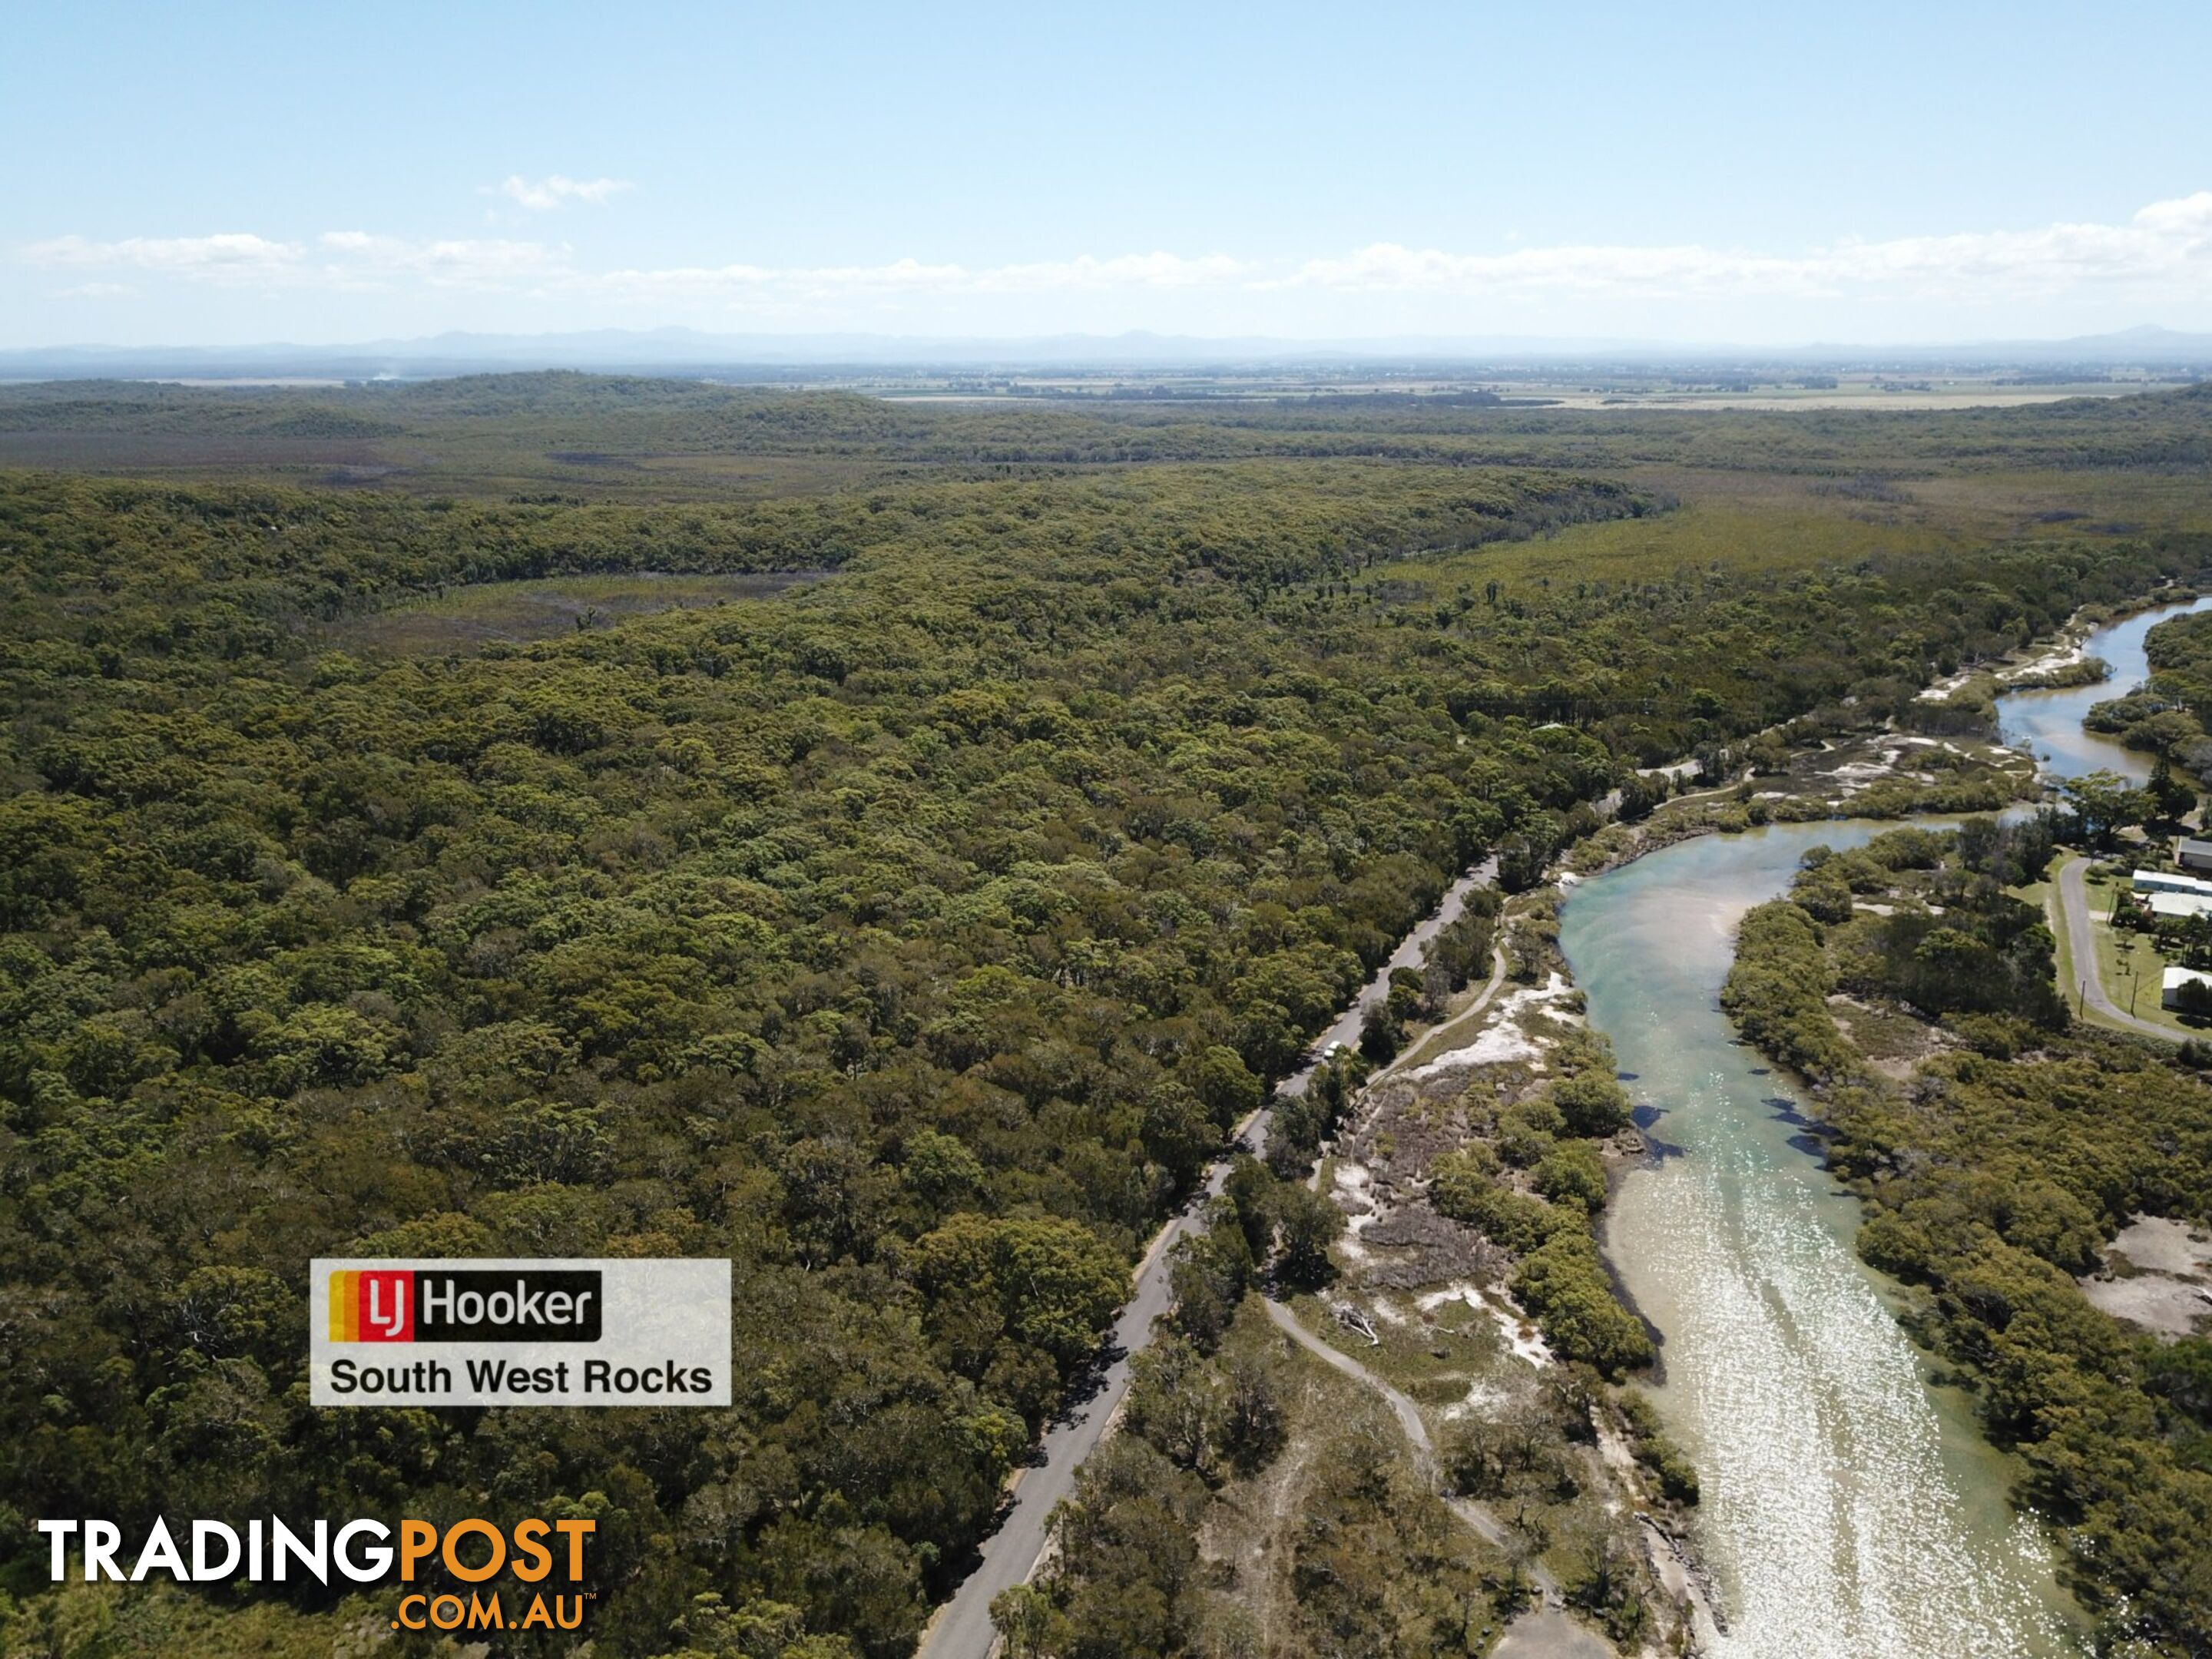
1529 1180
912 936
1258 1502
1997 1170
1466 1277
2166 715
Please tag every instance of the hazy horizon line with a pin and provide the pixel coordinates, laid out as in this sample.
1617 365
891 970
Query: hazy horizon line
679 342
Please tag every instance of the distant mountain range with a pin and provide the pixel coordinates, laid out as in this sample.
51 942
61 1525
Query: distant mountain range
683 350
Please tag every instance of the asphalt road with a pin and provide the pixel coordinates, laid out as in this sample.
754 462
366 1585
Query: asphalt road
2082 944
962 1628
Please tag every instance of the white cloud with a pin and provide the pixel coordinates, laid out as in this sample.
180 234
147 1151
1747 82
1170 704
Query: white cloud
227 254
2183 215
708 281
554 191
1129 270
477 263
2167 244
2163 253
337 259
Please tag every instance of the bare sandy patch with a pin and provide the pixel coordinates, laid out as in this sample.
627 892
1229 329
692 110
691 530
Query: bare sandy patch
2158 1275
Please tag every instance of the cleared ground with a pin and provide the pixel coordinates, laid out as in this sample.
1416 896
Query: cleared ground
2157 1274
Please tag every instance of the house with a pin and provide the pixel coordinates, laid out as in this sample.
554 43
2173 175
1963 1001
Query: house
2160 881
2177 907
2193 854
2170 995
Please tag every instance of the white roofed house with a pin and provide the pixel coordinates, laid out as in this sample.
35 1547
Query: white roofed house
2177 907
2161 881
2185 991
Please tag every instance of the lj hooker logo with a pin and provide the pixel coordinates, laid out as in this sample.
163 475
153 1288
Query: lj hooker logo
562 1305
592 1332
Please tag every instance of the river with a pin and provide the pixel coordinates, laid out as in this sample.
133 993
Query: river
2050 722
1851 1509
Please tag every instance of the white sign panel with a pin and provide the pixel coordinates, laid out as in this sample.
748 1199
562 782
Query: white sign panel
577 1331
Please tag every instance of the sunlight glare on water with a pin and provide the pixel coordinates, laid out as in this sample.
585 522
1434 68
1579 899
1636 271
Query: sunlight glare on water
1849 1511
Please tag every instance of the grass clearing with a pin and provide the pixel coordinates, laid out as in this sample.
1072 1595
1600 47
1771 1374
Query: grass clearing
2115 950
1435 1355
2128 963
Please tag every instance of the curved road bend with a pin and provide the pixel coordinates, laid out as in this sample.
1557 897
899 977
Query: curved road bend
2082 944
962 1628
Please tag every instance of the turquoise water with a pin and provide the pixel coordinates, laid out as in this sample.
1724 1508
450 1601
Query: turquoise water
1850 1511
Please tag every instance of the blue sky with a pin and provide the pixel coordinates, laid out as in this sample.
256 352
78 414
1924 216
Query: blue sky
1773 173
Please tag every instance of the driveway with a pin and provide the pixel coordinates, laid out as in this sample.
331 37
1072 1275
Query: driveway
2081 945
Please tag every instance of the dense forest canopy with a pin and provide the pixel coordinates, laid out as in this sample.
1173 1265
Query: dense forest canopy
2166 716
913 937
